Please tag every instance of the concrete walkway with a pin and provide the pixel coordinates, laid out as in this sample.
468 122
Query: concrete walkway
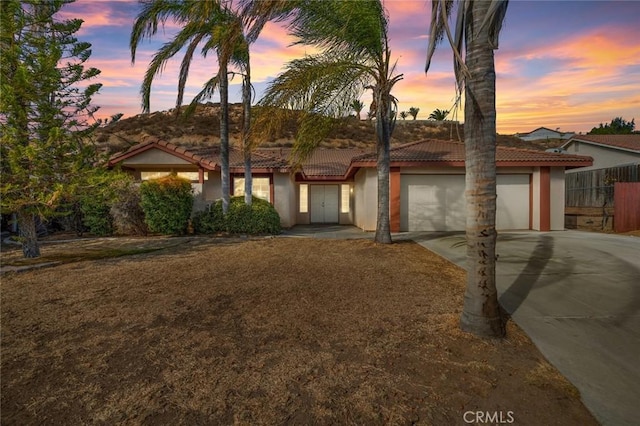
577 295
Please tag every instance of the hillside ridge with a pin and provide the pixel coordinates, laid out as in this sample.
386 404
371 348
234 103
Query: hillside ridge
203 129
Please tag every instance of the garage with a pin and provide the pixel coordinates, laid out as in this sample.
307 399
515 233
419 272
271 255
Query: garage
437 202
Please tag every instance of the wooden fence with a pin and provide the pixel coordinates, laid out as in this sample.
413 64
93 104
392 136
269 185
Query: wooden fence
595 188
592 199
627 210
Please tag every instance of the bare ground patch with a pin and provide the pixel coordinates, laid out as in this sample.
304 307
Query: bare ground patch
267 331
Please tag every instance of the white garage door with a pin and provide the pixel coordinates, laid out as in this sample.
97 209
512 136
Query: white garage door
512 202
436 202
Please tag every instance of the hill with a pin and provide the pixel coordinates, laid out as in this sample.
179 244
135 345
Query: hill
203 128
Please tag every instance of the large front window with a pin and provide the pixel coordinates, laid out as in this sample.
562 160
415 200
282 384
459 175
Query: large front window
192 176
260 187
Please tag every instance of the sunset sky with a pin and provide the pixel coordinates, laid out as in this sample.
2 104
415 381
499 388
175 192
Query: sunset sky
561 64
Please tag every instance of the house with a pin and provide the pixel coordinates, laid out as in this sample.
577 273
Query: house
606 150
544 133
340 185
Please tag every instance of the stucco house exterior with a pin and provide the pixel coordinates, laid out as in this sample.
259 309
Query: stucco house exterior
606 150
544 133
340 185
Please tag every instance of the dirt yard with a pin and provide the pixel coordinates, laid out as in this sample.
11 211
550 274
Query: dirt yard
263 331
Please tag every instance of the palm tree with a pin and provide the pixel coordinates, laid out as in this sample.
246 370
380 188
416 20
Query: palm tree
241 33
404 115
480 22
413 111
209 23
438 114
357 105
355 57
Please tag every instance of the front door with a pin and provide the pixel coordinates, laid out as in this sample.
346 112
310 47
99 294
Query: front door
324 203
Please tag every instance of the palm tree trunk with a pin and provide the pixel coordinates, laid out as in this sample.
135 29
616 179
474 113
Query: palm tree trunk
383 133
246 125
481 311
28 234
224 135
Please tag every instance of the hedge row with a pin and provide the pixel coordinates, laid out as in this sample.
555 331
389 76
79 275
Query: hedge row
258 218
165 206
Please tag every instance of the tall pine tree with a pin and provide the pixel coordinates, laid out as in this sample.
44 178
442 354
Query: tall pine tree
45 108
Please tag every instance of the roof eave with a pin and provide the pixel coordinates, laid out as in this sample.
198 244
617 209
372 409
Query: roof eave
603 145
177 152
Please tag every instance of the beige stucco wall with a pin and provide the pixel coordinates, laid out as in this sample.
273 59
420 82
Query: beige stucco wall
535 201
432 170
154 157
602 157
211 187
366 199
284 198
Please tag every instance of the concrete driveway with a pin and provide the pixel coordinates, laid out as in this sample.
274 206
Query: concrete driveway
577 295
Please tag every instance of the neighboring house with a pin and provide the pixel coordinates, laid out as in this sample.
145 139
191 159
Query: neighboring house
544 133
340 185
606 150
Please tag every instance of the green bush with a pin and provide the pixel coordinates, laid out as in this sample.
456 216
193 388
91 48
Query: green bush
259 218
209 221
95 197
95 215
127 214
167 204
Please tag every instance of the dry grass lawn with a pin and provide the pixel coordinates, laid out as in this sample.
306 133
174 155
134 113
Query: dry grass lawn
263 331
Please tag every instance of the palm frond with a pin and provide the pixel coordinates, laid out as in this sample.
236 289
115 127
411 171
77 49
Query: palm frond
494 18
207 92
256 14
336 25
160 59
184 69
321 84
321 88
440 12
154 13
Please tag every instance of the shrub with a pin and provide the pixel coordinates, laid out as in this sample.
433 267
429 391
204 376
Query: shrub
95 215
128 217
259 218
209 221
167 204
95 197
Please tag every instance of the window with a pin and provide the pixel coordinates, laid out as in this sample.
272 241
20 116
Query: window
345 197
153 175
260 187
304 198
192 176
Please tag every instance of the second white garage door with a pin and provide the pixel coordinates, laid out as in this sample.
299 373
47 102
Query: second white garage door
436 202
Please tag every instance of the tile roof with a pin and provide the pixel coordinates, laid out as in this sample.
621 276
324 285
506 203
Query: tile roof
152 142
338 163
329 162
236 158
626 142
453 152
